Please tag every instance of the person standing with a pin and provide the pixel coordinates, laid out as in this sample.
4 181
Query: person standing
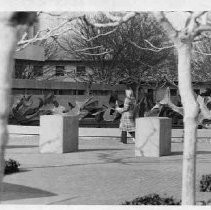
127 121
58 109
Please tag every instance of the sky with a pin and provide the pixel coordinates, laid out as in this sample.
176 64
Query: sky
96 5
177 18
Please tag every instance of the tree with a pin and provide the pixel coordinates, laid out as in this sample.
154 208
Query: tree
201 59
121 53
9 23
183 39
99 49
195 27
140 63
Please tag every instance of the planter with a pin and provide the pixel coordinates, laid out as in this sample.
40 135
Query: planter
58 134
153 136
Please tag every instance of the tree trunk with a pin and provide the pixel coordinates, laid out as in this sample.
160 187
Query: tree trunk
190 125
7 43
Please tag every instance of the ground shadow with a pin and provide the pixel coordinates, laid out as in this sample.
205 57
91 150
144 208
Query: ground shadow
92 150
176 153
110 158
63 201
17 192
198 152
21 170
20 146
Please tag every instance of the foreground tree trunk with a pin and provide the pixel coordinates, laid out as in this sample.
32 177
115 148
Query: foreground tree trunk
8 40
8 44
183 39
190 124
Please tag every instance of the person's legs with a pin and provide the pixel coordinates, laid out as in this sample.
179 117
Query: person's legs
133 135
124 137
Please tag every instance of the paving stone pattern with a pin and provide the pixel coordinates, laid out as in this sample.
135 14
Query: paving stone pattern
103 171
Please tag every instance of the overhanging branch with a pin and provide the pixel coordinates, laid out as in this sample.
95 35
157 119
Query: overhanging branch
121 20
153 48
166 24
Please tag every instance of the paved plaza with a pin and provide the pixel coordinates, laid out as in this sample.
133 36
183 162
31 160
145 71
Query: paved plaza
103 171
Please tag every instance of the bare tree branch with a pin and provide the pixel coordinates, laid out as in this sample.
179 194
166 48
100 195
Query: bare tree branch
103 53
112 17
89 48
99 35
202 28
50 14
153 49
202 53
36 38
205 112
121 20
49 33
159 48
197 15
168 27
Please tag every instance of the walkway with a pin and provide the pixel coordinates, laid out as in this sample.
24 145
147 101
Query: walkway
104 171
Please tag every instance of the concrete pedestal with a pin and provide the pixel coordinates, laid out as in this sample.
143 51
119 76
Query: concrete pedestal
58 134
153 136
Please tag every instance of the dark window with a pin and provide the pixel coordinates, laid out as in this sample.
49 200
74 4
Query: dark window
19 68
100 92
74 92
197 91
173 92
81 92
80 70
38 70
26 71
59 71
65 92
104 92
95 92
34 91
23 71
47 91
16 91
56 92
150 94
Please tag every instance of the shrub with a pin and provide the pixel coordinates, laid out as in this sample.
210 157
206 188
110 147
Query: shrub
152 199
205 183
11 166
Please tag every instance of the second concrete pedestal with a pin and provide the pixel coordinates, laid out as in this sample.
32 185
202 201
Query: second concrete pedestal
153 136
58 134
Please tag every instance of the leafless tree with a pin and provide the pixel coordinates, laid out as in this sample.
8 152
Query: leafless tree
195 25
9 24
121 53
201 59
195 28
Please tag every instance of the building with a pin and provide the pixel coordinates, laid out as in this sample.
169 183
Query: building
66 77
64 91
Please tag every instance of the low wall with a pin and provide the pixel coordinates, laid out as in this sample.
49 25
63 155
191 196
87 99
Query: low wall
176 134
34 130
23 130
